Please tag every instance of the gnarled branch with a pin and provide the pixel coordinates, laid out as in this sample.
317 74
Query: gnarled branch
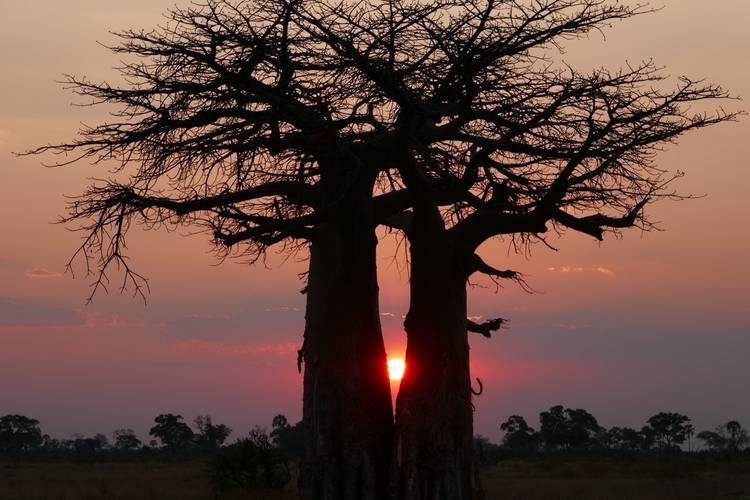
485 328
595 225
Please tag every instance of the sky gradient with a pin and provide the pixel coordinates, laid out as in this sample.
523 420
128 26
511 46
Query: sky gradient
623 328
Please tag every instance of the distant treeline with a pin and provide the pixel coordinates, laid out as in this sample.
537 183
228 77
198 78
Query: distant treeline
567 430
257 460
171 438
262 459
560 430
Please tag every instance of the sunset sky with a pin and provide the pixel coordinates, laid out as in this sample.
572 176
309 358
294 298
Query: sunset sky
623 328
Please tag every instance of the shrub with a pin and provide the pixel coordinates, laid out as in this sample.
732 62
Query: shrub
250 463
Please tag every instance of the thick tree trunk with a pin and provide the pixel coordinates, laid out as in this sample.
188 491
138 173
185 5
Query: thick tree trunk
434 427
347 411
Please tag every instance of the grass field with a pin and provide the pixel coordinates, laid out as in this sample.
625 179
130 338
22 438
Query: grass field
547 479
618 480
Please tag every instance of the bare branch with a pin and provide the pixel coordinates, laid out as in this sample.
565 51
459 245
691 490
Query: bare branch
485 328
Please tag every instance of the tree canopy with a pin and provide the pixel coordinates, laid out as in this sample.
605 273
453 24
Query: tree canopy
229 111
172 431
19 434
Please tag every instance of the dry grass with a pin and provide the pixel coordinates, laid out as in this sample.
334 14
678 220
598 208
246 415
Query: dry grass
114 481
591 479
548 479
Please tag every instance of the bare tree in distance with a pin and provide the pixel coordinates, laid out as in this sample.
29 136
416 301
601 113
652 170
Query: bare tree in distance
309 123
125 440
210 435
730 437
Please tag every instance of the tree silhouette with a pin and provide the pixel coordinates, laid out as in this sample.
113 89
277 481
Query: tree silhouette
568 429
210 435
712 440
498 139
289 438
669 429
250 463
87 449
736 436
623 439
125 440
519 436
240 120
173 433
730 437
19 434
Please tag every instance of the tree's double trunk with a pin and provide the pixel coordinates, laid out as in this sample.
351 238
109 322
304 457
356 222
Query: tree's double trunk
434 416
347 414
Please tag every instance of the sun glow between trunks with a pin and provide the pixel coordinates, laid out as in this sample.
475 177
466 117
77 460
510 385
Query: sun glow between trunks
396 368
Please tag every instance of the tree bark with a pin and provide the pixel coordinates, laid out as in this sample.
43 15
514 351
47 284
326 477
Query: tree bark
347 413
434 451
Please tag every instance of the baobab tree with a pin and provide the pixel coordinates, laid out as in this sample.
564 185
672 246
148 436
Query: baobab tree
596 176
494 138
307 124
233 119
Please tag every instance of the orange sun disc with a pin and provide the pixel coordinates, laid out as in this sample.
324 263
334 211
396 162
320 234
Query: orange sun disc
396 369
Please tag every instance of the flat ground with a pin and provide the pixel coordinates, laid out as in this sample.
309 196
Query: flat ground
548 479
592 479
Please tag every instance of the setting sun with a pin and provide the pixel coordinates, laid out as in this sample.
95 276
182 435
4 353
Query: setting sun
396 368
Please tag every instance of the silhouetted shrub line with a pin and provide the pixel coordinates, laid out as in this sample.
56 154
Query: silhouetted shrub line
567 431
262 460
258 460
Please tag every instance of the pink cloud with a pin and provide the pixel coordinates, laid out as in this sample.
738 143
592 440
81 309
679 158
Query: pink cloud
566 326
97 319
282 349
282 309
210 316
605 271
565 269
41 273
578 269
387 314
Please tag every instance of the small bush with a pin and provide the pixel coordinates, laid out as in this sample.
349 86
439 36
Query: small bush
249 464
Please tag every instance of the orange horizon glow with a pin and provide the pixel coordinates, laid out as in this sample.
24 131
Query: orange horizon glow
396 369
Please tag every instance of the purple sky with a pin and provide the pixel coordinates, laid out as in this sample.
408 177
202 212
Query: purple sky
625 328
